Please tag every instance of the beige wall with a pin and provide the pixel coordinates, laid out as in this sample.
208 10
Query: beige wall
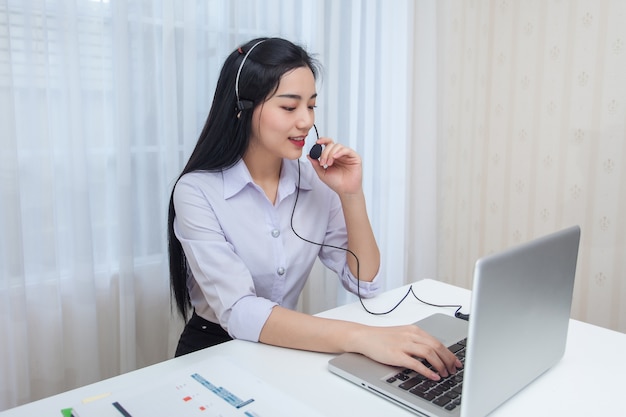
532 137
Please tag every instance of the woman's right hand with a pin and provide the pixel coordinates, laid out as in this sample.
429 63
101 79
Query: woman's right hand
401 345
395 346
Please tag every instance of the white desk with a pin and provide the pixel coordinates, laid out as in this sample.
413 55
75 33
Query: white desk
580 385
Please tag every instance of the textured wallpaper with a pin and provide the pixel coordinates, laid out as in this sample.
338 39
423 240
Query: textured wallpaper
532 138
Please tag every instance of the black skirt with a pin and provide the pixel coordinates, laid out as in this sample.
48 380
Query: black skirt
199 334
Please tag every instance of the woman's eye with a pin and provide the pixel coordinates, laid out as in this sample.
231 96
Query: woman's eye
290 109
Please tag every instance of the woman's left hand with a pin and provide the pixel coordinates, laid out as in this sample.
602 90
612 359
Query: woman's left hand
339 167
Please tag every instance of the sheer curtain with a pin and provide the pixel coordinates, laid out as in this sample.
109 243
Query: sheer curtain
100 105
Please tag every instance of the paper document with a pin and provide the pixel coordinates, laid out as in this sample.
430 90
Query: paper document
216 387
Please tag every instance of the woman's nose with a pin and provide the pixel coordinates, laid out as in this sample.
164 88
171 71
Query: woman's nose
306 119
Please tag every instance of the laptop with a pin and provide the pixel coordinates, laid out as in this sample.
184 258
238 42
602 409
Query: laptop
520 310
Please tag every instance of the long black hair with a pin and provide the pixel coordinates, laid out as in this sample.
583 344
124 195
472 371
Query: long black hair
226 133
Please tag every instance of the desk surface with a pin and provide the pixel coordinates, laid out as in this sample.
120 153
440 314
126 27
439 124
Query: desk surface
581 384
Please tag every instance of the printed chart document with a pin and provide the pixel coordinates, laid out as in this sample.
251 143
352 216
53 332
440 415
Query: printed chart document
215 387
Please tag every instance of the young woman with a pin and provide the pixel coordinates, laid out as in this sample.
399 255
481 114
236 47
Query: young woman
247 220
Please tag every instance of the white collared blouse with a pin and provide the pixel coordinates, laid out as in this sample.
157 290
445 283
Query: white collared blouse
243 255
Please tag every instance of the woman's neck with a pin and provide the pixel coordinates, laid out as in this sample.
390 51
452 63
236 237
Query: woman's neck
265 173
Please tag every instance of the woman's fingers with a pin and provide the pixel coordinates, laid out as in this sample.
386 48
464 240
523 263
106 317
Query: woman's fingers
404 346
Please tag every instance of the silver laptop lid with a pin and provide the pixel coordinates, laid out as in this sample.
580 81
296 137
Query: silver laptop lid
520 310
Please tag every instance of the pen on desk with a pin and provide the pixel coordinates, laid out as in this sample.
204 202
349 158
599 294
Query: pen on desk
121 409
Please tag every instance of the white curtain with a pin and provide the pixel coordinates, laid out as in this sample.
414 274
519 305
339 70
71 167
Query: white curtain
101 103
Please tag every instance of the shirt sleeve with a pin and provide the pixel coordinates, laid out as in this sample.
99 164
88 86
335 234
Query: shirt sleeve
337 259
219 275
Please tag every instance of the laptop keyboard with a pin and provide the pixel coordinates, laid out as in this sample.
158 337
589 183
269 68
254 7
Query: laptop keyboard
445 393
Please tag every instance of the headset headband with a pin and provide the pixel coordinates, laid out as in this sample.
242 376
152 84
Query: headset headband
244 104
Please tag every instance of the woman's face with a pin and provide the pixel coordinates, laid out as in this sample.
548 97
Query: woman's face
281 123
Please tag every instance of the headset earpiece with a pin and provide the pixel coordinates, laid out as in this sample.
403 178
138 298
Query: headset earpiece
244 105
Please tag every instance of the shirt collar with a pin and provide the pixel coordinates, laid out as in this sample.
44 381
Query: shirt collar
237 177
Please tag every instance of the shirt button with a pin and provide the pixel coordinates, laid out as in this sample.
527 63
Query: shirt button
281 271
275 233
